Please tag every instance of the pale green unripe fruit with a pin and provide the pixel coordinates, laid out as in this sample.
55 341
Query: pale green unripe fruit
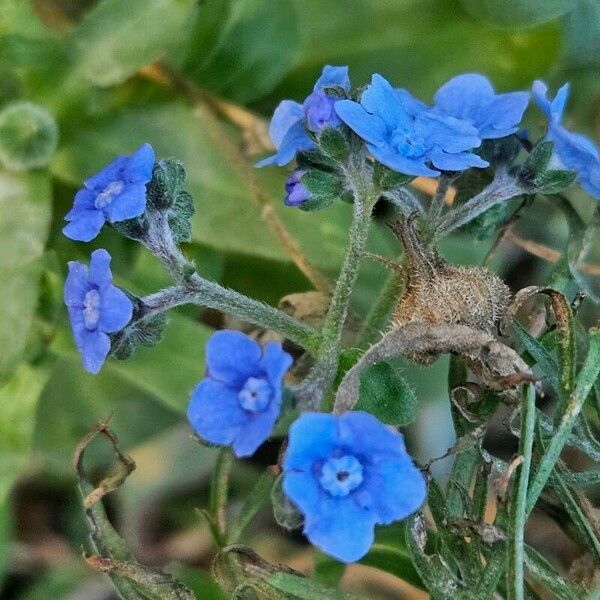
28 136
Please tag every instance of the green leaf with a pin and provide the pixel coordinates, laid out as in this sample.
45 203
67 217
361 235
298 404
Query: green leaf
554 181
518 13
394 558
327 570
386 394
116 38
257 46
24 221
18 404
306 589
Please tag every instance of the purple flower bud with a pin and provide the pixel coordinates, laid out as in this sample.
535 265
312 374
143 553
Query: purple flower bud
296 191
320 112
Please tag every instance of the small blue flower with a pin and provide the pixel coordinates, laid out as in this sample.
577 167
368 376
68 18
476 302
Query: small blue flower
472 98
291 119
574 151
239 400
296 192
346 474
405 135
96 308
116 193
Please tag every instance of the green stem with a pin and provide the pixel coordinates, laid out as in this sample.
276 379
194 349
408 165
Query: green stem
219 490
517 514
310 393
584 383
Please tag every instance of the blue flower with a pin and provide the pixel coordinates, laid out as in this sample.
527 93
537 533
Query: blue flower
574 151
239 400
296 192
471 97
346 474
405 135
116 193
291 119
96 308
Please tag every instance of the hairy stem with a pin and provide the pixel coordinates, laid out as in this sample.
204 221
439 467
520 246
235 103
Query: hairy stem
219 489
517 509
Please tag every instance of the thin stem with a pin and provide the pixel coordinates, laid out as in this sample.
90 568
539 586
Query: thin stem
439 199
219 489
200 291
310 393
404 201
517 510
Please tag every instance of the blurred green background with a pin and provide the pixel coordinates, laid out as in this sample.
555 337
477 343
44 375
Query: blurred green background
223 65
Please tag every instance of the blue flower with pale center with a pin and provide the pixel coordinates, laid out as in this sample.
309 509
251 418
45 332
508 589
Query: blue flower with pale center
290 121
346 474
238 402
407 136
296 191
471 97
96 308
116 193
574 151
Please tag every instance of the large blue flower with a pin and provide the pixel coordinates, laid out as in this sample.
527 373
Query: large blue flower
471 97
405 135
96 308
346 474
116 193
291 119
239 400
575 152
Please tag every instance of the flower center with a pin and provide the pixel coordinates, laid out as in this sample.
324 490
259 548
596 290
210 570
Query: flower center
255 395
319 111
408 143
109 193
340 476
91 309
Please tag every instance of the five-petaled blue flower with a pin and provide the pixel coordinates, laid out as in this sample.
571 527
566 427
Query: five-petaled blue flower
574 151
291 119
407 136
296 191
96 308
471 97
116 193
346 474
239 400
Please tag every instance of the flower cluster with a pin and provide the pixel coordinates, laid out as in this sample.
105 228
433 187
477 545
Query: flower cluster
573 150
238 402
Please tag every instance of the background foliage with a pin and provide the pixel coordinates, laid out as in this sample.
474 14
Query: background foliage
93 66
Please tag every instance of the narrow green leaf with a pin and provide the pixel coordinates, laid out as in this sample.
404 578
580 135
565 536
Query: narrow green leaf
543 572
327 570
306 589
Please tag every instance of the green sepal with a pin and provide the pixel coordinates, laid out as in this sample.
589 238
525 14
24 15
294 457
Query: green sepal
386 394
500 151
386 179
286 514
485 225
144 332
180 217
134 229
537 163
554 181
334 144
324 186
309 159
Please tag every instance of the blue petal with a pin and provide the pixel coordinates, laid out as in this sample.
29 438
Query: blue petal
450 134
215 412
591 181
303 490
140 165
456 162
130 203
462 96
286 114
312 437
400 163
296 139
100 273
502 116
369 127
275 362
116 309
334 76
397 488
552 109
84 201
93 347
362 434
341 528
412 105
76 284
232 357
255 431
381 99
85 226
111 172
